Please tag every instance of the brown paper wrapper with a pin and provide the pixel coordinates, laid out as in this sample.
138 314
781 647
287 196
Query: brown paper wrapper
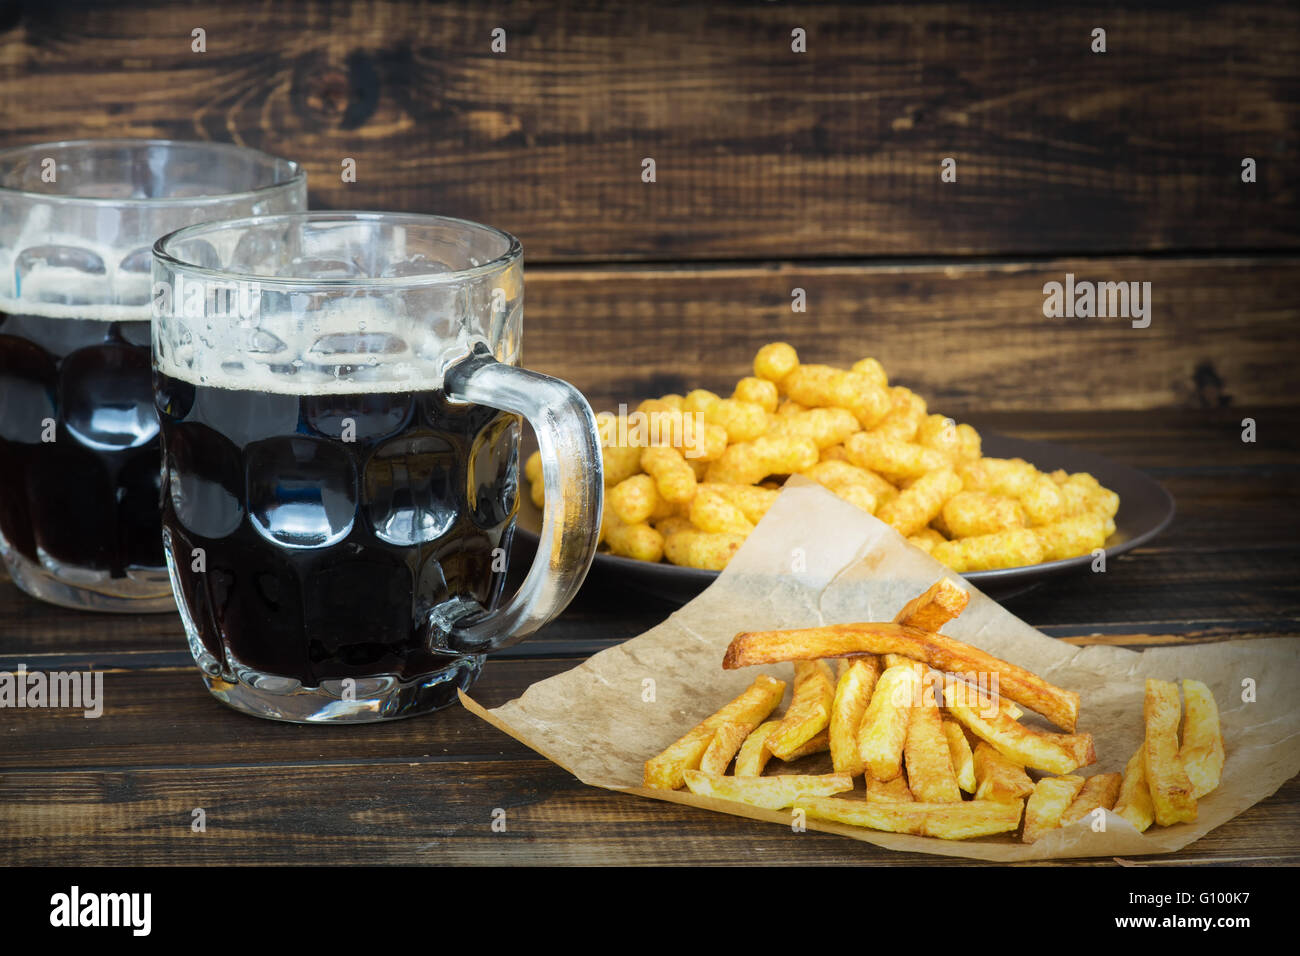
815 559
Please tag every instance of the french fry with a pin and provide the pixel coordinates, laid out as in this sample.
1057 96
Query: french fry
930 775
665 771
1202 750
768 793
895 789
754 755
963 761
1046 805
1055 753
947 821
810 708
1059 706
1134 802
852 694
1100 790
726 742
941 602
883 731
815 745
1171 789
999 778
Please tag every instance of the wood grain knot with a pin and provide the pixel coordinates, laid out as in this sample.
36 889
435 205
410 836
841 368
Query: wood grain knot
339 95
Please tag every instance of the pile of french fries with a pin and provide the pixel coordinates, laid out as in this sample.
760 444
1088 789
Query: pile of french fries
931 727
689 476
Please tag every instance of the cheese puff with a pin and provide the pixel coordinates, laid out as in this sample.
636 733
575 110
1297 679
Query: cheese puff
752 500
970 442
940 433
835 474
699 549
742 420
858 495
905 415
668 509
871 369
618 454
638 541
1100 498
1106 502
1097 498
1110 526
775 361
699 400
1076 497
673 400
1072 537
635 499
710 511
1043 501
699 466
835 453
846 486
757 391
656 423
1011 477
702 441
537 492
1060 476
607 521
971 513
820 386
892 458
749 462
673 477
926 539
1012 548
915 507
533 467
825 426
670 526
788 407
865 398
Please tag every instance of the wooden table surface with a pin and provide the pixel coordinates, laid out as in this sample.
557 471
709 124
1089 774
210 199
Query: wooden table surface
121 789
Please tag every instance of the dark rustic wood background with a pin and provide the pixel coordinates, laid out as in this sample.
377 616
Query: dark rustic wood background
775 170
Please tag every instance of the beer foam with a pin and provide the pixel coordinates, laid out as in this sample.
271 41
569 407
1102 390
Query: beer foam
355 347
56 291
87 312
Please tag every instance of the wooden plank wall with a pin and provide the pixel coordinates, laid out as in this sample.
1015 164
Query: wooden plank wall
775 170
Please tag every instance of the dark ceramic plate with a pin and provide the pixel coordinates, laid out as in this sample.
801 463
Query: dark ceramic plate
1145 510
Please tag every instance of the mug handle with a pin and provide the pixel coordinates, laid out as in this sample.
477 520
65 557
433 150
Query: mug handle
573 474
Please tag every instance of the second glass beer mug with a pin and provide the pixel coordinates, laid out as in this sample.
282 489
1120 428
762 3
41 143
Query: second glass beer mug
340 396
78 434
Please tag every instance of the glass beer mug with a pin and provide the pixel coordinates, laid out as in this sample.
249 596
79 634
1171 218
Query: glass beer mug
340 398
79 460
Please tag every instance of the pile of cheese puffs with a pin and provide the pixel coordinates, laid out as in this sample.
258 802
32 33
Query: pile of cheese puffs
688 476
931 727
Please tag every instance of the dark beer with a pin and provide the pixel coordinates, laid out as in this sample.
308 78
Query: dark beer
79 452
314 537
